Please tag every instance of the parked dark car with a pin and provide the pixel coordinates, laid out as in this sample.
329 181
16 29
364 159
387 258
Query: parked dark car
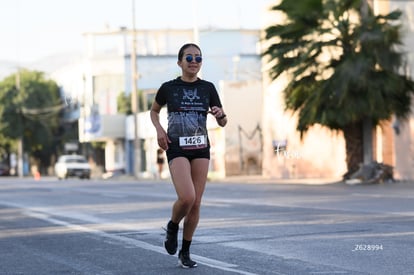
4 169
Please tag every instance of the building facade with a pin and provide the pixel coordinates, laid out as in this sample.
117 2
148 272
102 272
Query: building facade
321 153
395 139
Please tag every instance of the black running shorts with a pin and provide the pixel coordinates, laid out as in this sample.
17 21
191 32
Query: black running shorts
174 152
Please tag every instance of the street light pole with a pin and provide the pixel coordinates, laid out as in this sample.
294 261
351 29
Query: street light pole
20 148
135 98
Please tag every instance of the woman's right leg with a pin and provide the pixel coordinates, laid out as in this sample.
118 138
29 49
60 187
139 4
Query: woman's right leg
180 170
187 192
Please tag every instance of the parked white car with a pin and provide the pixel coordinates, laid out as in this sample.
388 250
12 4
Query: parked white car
72 166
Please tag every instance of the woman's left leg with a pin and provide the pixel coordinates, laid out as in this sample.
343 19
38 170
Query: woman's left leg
199 170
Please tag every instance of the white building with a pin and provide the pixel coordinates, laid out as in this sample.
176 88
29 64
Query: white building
397 147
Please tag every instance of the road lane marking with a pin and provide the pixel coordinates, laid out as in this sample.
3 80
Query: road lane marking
45 214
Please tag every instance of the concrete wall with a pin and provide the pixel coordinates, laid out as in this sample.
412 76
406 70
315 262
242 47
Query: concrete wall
397 137
320 154
243 102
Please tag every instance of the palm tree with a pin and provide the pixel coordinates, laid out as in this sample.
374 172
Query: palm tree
345 64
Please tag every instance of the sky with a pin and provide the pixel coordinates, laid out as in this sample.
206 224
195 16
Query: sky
34 29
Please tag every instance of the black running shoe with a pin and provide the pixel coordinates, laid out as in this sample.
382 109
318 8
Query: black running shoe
185 261
170 242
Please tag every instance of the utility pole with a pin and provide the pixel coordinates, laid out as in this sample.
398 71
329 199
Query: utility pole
135 98
196 33
196 30
20 148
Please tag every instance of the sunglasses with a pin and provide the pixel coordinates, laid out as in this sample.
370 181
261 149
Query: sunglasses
189 58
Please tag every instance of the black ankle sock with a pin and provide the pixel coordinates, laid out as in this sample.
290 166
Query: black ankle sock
186 246
173 225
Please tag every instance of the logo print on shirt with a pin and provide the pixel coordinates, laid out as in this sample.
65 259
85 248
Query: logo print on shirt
190 94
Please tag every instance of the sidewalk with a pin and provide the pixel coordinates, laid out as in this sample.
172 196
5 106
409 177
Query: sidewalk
256 179
262 179
243 179
250 179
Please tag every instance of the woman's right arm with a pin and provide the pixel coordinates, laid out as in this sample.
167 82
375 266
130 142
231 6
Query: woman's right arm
162 136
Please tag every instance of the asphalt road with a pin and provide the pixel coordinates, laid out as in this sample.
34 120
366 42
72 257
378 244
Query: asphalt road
115 227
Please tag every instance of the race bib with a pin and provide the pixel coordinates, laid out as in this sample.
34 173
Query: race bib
193 142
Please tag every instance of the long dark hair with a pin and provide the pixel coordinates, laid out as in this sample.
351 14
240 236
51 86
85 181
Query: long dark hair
185 46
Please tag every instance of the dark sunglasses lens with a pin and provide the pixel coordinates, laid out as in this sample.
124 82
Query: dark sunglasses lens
189 58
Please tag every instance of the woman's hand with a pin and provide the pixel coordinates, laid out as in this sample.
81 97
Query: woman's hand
217 112
162 138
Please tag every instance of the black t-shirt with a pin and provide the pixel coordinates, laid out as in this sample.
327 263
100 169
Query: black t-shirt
187 106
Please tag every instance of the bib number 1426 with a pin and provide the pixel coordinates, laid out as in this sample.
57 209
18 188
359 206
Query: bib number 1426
193 142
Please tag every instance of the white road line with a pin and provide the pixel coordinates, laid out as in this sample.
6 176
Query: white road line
45 213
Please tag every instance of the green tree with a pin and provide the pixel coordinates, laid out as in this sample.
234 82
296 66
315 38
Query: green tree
345 64
30 107
124 103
